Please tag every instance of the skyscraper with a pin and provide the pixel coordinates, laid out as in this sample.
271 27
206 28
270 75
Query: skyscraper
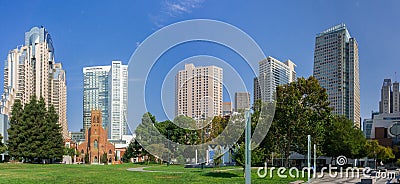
118 95
390 98
59 96
336 67
396 97
242 101
95 93
31 70
386 93
105 88
272 73
199 91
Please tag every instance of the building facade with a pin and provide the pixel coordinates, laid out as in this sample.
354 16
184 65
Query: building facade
272 73
95 94
226 108
199 91
242 101
59 96
390 98
31 70
118 100
106 88
336 67
96 143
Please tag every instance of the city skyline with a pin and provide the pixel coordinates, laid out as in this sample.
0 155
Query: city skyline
292 36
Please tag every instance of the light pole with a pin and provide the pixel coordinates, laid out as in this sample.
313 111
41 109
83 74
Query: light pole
203 117
169 157
248 148
308 157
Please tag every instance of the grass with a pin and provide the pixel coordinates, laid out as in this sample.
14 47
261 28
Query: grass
54 173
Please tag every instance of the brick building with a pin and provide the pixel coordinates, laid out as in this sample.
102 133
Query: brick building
96 142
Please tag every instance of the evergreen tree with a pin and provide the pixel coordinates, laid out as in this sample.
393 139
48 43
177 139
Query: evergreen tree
104 158
3 148
34 131
16 137
87 158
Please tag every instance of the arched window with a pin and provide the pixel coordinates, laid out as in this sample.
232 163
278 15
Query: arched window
82 152
109 160
109 152
95 159
96 145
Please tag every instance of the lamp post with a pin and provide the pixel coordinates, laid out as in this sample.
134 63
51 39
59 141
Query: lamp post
203 117
169 157
248 148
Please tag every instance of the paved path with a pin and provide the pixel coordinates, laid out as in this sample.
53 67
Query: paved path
141 169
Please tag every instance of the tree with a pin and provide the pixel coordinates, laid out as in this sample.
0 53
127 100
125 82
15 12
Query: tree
104 158
16 136
69 152
301 110
133 150
86 158
258 156
378 152
3 147
34 131
342 138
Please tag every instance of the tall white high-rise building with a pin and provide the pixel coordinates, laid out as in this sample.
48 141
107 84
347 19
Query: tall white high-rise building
105 88
272 73
118 95
336 67
31 70
59 96
199 91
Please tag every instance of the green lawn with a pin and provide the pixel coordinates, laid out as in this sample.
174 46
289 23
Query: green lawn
54 173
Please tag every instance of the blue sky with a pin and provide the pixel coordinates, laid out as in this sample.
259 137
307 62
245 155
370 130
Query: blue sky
88 33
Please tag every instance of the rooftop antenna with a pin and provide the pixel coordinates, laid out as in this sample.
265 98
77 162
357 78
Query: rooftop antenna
395 76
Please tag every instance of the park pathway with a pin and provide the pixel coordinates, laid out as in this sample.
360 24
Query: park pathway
141 169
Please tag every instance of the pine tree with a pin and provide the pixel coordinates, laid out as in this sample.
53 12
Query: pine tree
3 148
15 134
34 131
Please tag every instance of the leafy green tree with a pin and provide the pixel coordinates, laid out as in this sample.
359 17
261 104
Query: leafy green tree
69 151
378 152
342 138
386 154
258 156
301 110
134 149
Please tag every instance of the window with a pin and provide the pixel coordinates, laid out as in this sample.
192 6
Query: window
96 144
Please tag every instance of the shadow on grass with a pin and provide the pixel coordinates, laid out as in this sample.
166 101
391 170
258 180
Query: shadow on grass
221 174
